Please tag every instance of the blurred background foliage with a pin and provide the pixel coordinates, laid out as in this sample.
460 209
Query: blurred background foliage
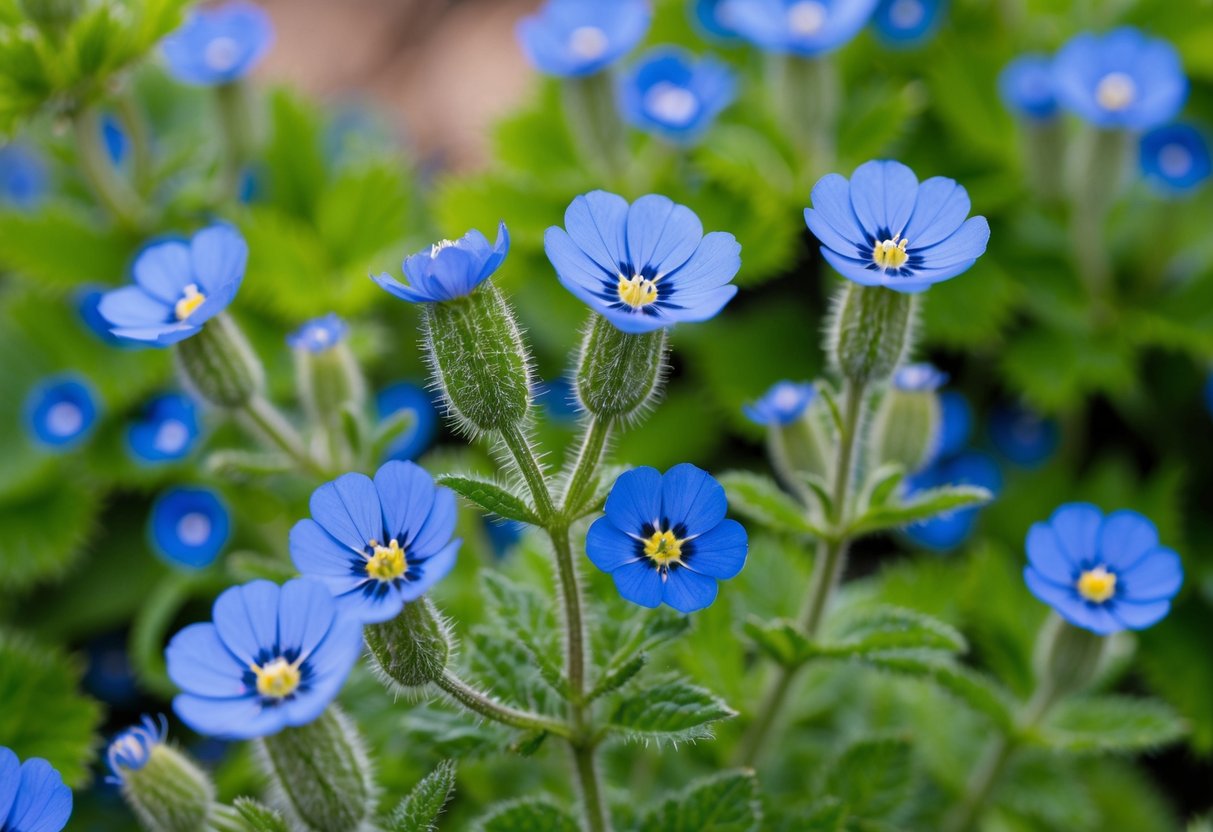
334 194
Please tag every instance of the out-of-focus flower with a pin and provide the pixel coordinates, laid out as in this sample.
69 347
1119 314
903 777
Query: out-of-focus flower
1104 574
1026 87
33 797
131 749
558 399
448 269
1022 435
713 18
503 535
114 137
957 417
405 395
907 22
948 531
319 334
642 266
218 45
800 27
920 377
675 95
1122 79
782 404
189 526
24 179
168 430
570 38
61 411
1175 158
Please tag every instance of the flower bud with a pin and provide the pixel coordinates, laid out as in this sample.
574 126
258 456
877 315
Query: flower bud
1067 658
320 773
803 444
871 331
327 374
618 374
218 365
477 354
163 787
412 649
906 429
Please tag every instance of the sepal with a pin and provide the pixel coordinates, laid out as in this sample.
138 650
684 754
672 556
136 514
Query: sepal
412 649
905 429
618 374
871 331
170 793
218 365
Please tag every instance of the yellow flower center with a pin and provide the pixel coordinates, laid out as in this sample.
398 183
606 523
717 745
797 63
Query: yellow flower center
1097 585
891 254
663 548
1115 91
278 679
637 291
386 563
189 302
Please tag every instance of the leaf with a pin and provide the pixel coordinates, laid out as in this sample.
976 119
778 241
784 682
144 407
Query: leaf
922 506
726 802
883 483
872 777
528 616
1109 723
32 249
42 534
976 691
389 430
259 817
419 810
295 174
531 814
675 711
780 639
882 627
490 496
618 677
761 500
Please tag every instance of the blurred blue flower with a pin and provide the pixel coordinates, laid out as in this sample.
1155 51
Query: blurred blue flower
218 45
24 179
948 531
675 95
801 27
114 138
448 269
1209 393
1026 87
189 526
883 228
571 38
60 411
405 395
713 18
379 544
178 287
1022 435
167 431
644 266
907 22
1104 574
957 418
109 675
921 377
88 302
782 403
665 538
1175 158
132 748
1122 79
274 656
33 797
319 334
503 534
558 400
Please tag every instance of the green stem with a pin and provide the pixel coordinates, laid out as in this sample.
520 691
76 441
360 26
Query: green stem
135 125
574 620
486 706
270 423
596 817
592 444
524 458
235 121
119 199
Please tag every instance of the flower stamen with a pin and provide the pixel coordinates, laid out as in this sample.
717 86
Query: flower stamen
891 254
588 42
386 563
191 299
636 291
1097 585
663 548
1116 91
277 679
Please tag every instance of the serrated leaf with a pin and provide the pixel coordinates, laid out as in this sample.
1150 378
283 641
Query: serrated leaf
976 691
762 501
419 810
528 815
490 496
527 615
618 677
1109 723
42 534
260 818
675 711
873 778
881 627
726 802
922 506
780 639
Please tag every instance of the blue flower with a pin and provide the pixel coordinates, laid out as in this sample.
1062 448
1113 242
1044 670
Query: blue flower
557 399
883 228
675 95
378 544
61 411
1023 436
570 38
957 423
1120 80
88 302
24 179
1026 87
1175 158
920 377
800 27
907 22
448 269
1209 393
1104 574
665 538
273 656
414 441
319 334
168 430
713 17
189 526
503 534
948 531
114 138
644 266
218 45
109 675
782 404
131 749
178 287
33 797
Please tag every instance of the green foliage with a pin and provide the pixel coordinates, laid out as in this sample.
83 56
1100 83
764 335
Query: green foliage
260 818
1108 723
46 532
419 810
725 802
759 499
673 711
493 498
32 249
528 815
872 778
922 506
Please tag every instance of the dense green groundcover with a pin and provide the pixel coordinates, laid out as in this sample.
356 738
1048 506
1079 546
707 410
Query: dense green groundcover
870 740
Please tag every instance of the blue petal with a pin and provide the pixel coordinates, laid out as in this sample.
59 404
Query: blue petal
635 322
406 494
370 607
661 234
395 287
635 500
690 496
597 223
574 268
10 767
832 218
1070 606
965 246
607 547
1156 577
1047 555
1125 538
721 552
348 509
163 270
242 718
688 591
500 249
715 262
132 306
246 617
883 195
219 255
703 306
639 583
941 208
1139 616
199 663
436 532
1077 528
43 802
305 615
433 570
859 271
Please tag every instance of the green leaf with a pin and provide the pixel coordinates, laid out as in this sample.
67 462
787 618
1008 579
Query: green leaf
922 506
780 639
528 616
490 496
259 817
390 429
619 676
880 627
882 484
762 501
419 810
1109 723
531 814
43 534
726 802
32 249
674 711
872 777
976 691
295 167
43 714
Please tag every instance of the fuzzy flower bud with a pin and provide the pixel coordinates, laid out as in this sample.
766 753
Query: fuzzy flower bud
412 649
1067 658
871 330
618 374
164 788
907 424
218 365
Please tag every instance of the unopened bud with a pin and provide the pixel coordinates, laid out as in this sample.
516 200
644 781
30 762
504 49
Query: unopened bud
166 790
618 374
218 365
413 648
906 428
871 331
1067 658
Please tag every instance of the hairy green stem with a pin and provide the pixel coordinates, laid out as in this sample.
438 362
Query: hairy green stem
135 124
235 120
111 190
596 817
593 443
486 706
524 459
270 423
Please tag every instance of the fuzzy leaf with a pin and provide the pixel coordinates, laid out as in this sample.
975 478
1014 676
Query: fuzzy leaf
41 535
726 802
922 506
493 498
780 639
533 814
1109 723
973 689
762 501
618 677
674 711
260 818
31 248
884 627
419 810
872 777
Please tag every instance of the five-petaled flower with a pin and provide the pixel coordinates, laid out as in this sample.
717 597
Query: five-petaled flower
665 538
1026 87
33 797
219 45
274 656
800 27
1102 573
571 38
907 22
1122 79
167 431
675 95
642 266
884 228
782 404
132 748
179 286
1175 158
61 411
378 544
319 334
189 526
448 269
